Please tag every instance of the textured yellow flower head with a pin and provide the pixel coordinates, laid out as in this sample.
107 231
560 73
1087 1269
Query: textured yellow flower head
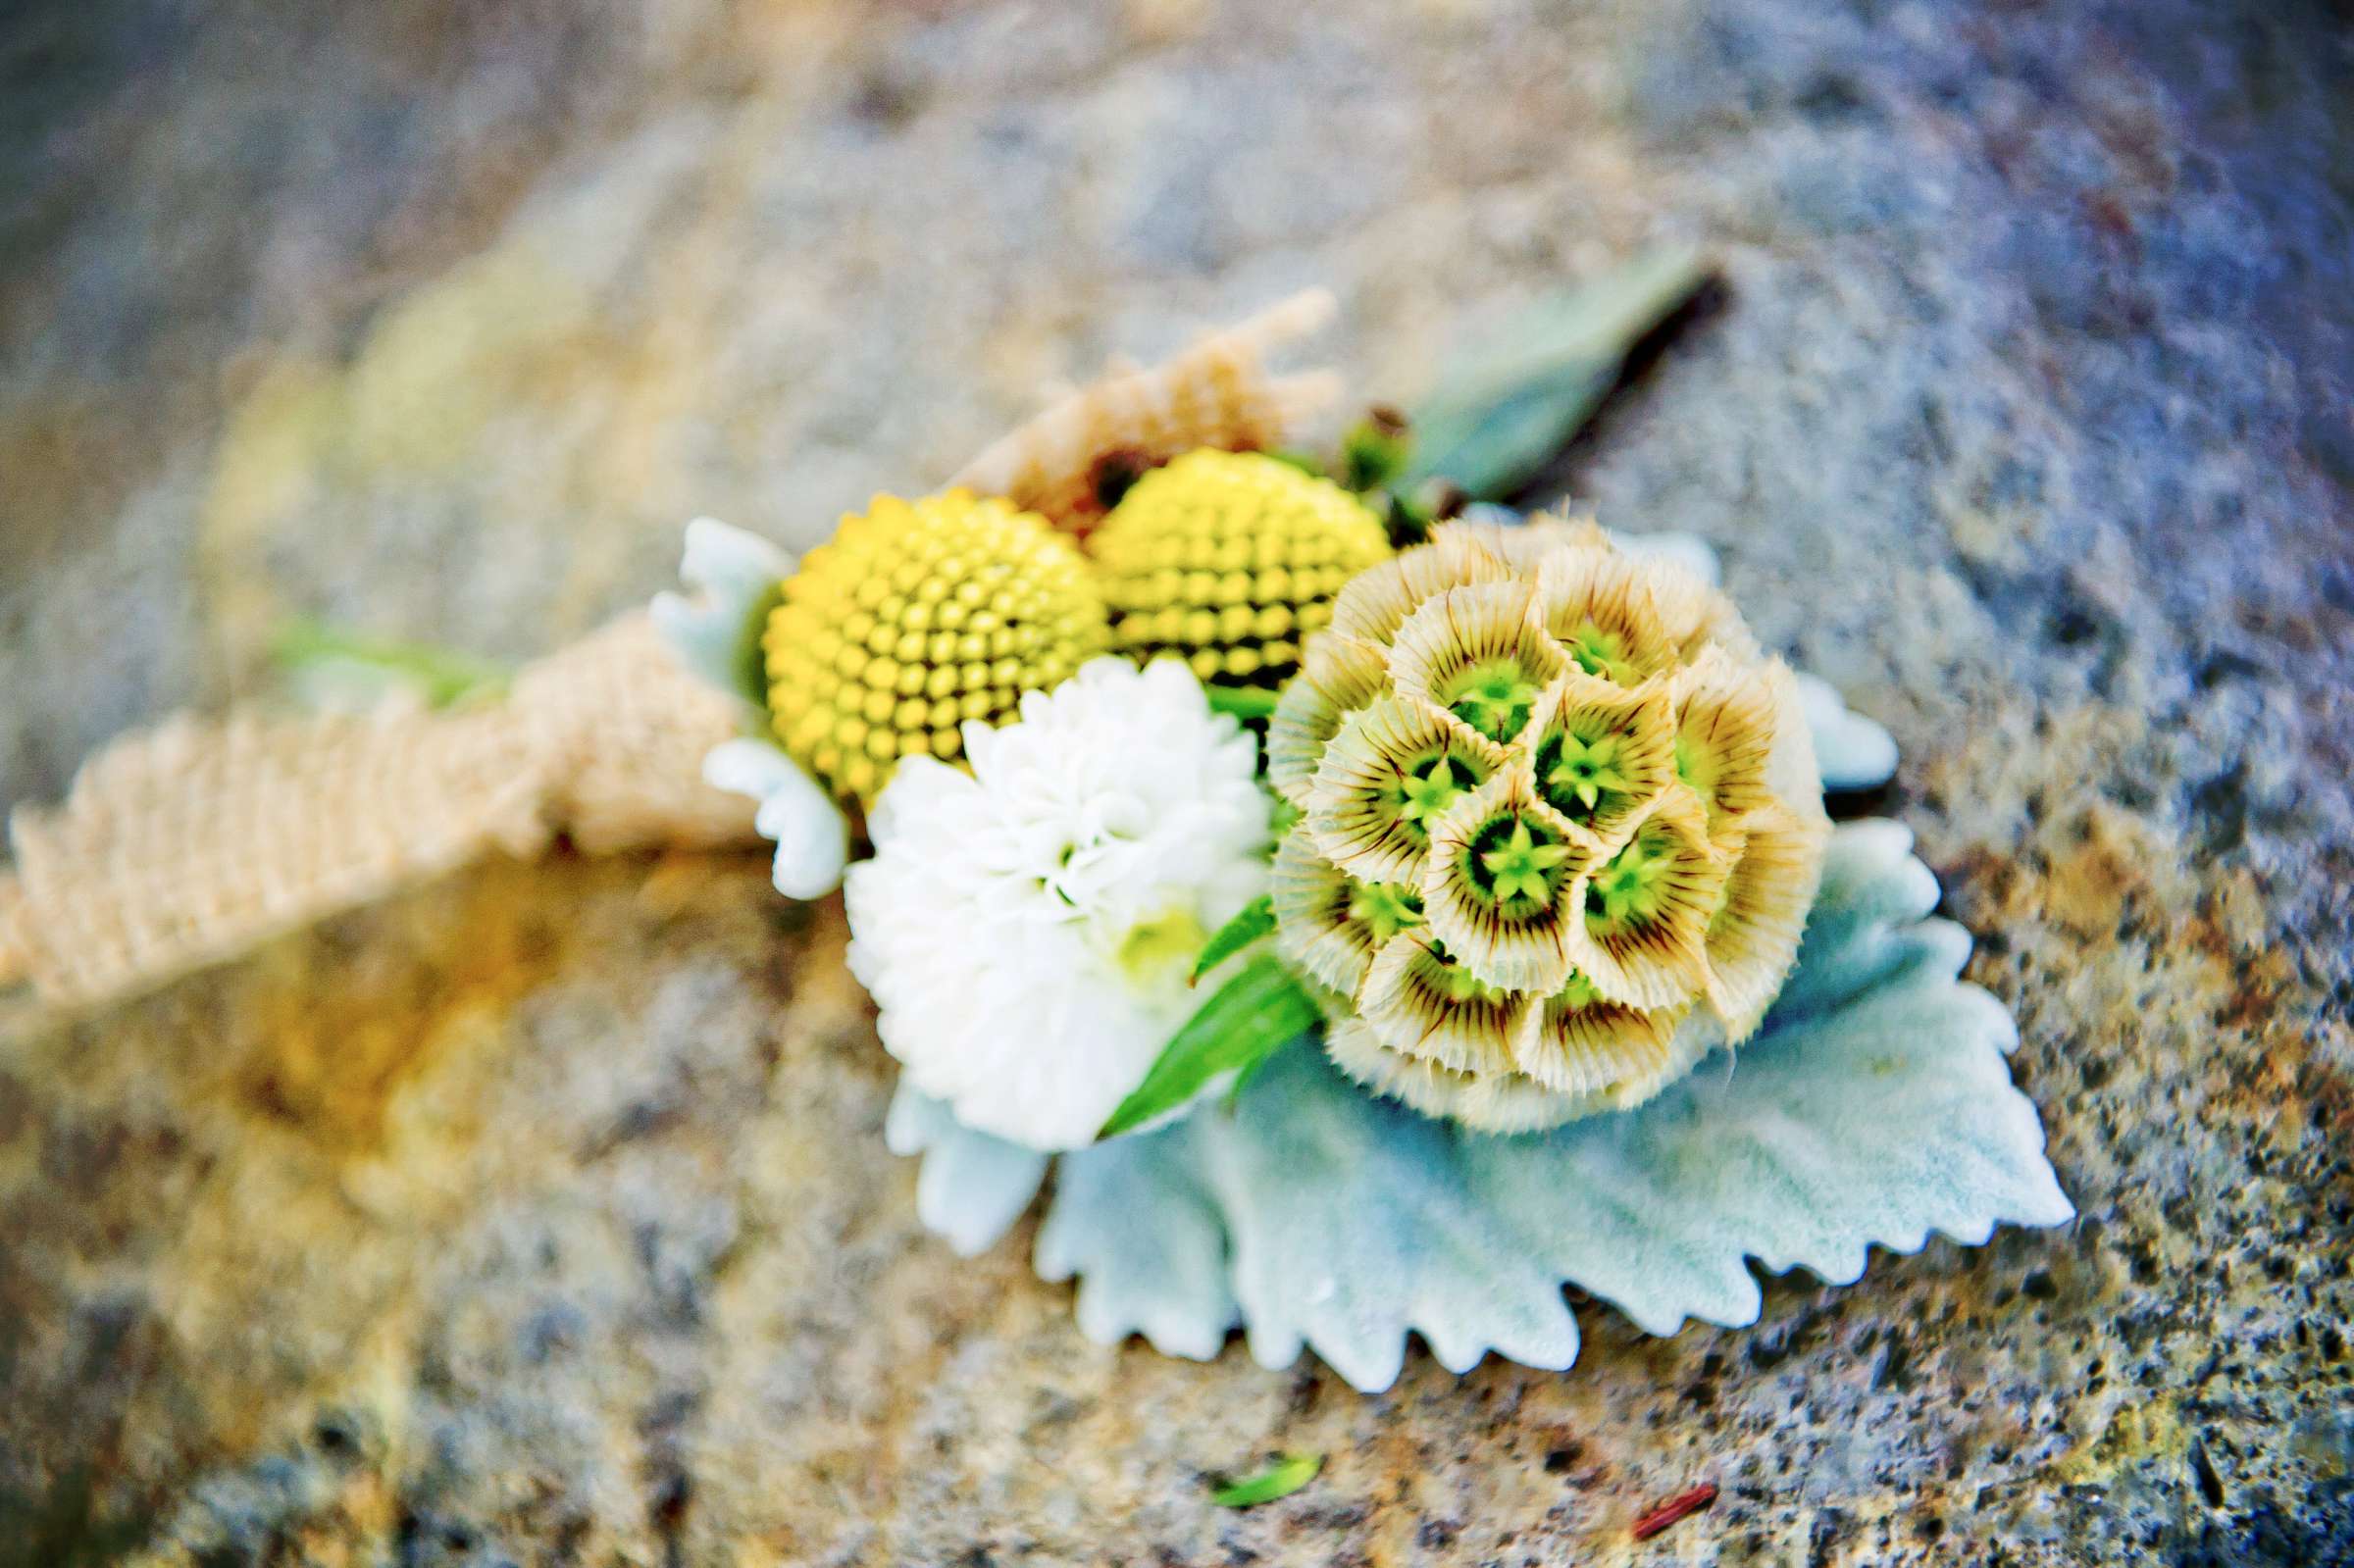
1228 560
1561 824
915 617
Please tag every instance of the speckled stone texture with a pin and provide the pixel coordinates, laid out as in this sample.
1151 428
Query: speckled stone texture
542 1215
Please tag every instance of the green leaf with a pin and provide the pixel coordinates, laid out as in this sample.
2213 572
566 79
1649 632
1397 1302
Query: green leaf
1280 1479
337 667
1375 450
1260 1009
1244 702
1256 919
1501 409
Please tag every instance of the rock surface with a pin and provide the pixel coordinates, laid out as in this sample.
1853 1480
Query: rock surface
542 1215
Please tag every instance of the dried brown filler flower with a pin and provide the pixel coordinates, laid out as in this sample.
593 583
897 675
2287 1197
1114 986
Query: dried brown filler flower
1559 825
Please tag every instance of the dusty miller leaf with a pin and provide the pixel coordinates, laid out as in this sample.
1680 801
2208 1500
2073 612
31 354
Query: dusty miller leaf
1504 407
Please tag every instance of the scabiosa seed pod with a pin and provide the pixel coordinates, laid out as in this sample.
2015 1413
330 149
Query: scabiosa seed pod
1559 825
1229 560
915 618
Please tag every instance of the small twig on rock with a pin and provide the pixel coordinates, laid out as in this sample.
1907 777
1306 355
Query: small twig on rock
1674 1508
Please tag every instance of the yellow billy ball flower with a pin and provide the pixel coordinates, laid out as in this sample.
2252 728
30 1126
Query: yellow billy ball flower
915 617
1229 560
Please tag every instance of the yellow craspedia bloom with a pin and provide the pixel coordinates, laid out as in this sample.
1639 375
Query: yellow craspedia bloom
914 618
1559 825
1228 560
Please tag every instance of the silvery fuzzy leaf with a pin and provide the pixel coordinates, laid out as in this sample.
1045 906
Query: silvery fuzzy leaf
811 834
971 1186
714 626
1690 551
1854 753
1510 399
1133 1218
1350 1221
1875 1106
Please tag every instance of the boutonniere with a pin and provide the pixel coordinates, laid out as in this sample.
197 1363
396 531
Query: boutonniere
1377 914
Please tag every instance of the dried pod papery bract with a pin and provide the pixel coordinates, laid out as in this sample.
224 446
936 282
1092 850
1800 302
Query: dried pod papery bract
1561 824
1584 1045
1492 1102
1477 655
1338 675
1498 885
1330 924
1376 602
1648 906
1421 1000
1524 546
1764 913
1727 716
1618 618
1392 770
1600 753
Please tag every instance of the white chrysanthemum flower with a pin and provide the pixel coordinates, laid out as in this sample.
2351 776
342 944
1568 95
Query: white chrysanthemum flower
1027 928
733 581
